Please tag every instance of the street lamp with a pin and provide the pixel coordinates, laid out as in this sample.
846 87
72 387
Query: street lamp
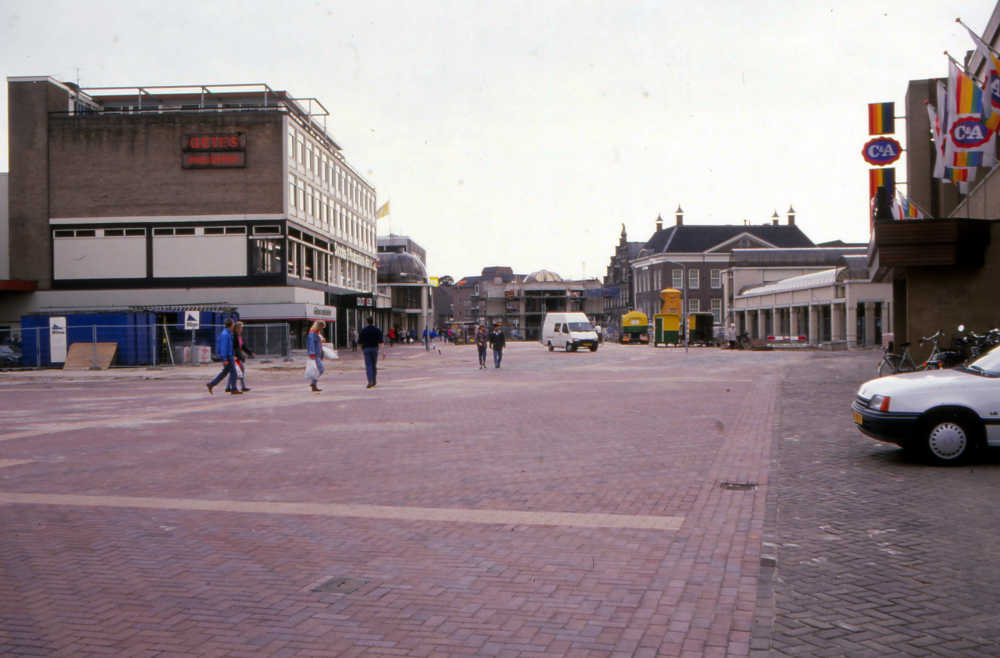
684 290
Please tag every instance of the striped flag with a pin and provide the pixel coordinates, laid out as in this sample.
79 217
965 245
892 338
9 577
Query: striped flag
959 175
991 102
886 178
902 208
965 130
881 118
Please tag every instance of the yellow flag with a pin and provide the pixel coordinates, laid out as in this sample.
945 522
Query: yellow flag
383 211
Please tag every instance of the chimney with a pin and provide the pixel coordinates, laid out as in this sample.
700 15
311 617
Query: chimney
680 215
774 217
659 223
791 216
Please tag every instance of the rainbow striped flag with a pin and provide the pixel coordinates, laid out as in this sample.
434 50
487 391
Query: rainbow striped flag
959 175
963 125
881 118
903 209
969 159
968 95
882 178
991 89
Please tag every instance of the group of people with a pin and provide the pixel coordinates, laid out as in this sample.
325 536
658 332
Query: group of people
495 341
233 352
370 340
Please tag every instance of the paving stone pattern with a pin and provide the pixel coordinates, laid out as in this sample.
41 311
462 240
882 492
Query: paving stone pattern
878 554
565 438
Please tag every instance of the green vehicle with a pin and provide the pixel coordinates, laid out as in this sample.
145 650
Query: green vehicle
635 329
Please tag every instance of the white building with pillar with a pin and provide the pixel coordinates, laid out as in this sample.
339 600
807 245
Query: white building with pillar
838 305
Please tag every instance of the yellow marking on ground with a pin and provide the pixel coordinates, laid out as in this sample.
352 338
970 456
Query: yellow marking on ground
489 517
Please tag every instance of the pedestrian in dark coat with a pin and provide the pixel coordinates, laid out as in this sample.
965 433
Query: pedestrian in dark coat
497 342
482 339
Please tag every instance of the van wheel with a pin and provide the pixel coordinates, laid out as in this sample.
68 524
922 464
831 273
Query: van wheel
593 348
551 349
569 348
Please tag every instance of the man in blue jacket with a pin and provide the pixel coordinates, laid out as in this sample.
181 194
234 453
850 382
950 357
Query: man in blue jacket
224 348
370 339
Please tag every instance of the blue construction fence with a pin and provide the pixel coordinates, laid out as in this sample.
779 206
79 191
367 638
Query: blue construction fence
143 338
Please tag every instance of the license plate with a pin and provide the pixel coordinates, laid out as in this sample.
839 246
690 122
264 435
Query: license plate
857 418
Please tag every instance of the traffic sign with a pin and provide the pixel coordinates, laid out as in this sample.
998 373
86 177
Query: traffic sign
192 320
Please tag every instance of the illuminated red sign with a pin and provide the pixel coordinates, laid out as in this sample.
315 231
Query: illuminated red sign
214 160
236 142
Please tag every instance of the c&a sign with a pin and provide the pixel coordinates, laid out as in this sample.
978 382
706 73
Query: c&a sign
882 151
969 133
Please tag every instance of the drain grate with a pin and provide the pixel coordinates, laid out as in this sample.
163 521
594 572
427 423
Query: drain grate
340 585
739 486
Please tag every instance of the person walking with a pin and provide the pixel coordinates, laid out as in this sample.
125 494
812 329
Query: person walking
482 339
224 348
731 336
451 336
497 341
314 344
371 339
392 335
241 353
354 339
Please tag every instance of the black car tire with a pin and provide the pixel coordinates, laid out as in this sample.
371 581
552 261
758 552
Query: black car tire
593 348
551 349
949 439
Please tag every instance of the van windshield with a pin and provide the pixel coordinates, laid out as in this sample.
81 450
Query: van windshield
580 326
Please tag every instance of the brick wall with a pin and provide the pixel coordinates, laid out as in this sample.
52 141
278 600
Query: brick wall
945 297
130 165
30 247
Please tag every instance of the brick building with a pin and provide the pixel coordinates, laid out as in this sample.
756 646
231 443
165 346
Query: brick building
617 290
695 257
169 197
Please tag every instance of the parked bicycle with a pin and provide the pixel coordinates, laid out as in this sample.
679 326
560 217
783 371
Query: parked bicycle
743 341
894 364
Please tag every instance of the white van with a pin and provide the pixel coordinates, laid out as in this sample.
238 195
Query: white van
568 331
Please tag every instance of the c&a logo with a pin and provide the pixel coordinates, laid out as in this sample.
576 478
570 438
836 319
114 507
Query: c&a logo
969 133
882 151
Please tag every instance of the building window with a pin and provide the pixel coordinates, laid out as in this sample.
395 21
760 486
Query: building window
302 199
678 280
266 256
299 153
291 192
291 144
694 305
309 157
716 279
717 309
693 279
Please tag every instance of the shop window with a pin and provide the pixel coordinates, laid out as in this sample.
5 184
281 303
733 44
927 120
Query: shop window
293 248
310 261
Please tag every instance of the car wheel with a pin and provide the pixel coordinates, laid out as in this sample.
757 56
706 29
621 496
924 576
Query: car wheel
569 348
593 348
949 439
7 363
550 346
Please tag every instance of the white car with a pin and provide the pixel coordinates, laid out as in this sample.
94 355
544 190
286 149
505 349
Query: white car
946 414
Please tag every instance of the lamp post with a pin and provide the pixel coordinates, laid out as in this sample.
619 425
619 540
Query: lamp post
685 291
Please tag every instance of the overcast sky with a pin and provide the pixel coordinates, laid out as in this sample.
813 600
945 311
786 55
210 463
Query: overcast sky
526 133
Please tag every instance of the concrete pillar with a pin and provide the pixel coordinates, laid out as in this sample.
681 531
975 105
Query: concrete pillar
424 310
793 321
761 324
813 324
870 323
852 326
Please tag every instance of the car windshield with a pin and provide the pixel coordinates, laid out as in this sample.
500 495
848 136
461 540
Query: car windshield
988 363
580 326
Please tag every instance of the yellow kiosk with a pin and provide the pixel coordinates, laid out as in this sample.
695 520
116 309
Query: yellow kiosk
667 323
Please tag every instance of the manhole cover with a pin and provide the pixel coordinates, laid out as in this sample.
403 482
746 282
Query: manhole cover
739 486
340 585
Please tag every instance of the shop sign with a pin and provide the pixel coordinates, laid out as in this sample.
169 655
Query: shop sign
882 151
323 311
969 133
340 251
214 160
233 142
357 301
